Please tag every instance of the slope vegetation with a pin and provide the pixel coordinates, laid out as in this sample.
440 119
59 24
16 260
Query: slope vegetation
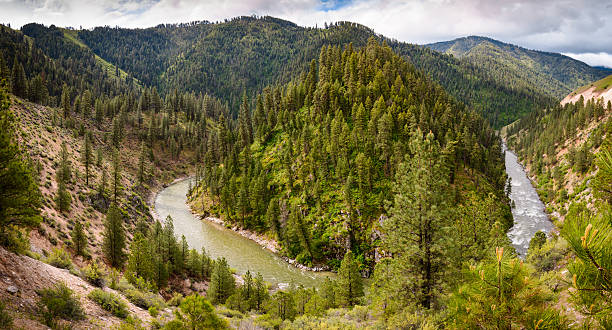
554 74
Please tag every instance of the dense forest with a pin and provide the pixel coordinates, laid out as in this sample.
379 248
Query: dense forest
366 156
248 53
315 160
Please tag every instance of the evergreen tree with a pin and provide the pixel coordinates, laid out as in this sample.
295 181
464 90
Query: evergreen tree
222 282
502 294
142 164
196 313
87 156
65 102
79 239
63 198
140 261
418 215
18 80
350 284
116 175
590 238
20 198
114 237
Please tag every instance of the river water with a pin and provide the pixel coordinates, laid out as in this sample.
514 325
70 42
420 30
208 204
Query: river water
241 253
529 211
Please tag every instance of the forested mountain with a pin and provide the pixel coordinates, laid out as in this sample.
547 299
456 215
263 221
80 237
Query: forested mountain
314 161
250 53
553 74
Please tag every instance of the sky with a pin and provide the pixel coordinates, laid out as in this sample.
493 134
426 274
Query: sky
578 28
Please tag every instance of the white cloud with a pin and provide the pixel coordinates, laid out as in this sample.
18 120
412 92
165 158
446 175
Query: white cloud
593 59
575 26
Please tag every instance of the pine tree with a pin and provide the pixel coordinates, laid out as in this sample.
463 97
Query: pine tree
260 292
114 237
87 156
350 283
18 79
222 283
418 215
142 164
590 238
20 198
116 175
140 261
63 198
79 239
65 102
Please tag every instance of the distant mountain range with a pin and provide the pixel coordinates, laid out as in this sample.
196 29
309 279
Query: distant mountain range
552 73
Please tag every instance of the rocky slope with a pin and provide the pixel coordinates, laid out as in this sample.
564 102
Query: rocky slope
21 277
601 89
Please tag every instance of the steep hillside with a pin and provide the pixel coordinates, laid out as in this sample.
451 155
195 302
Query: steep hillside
554 74
559 148
596 90
317 166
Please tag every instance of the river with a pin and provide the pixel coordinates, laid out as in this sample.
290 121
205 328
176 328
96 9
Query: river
529 211
241 253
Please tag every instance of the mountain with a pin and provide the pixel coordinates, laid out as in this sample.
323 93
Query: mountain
345 127
247 54
553 74
596 90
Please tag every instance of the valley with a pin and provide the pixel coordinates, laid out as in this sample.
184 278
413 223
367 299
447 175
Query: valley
253 173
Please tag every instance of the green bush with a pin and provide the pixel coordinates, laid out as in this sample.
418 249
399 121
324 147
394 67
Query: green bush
144 300
94 274
110 302
6 320
60 259
59 302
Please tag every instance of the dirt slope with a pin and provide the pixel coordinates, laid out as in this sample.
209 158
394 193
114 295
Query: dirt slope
599 89
29 275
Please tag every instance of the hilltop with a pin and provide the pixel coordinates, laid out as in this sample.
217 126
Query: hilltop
554 74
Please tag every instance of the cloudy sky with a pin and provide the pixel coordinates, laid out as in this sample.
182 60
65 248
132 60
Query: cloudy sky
578 28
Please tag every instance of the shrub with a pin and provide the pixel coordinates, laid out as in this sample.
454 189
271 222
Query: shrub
153 311
59 302
144 300
6 320
176 299
110 302
94 274
60 259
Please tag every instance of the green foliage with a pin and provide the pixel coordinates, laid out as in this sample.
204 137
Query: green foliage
20 198
538 239
222 282
342 126
350 283
195 312
501 293
590 237
94 274
114 237
418 215
602 183
110 302
6 320
59 302
79 239
60 258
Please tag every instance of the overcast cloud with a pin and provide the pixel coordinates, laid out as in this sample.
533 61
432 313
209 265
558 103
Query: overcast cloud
578 28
